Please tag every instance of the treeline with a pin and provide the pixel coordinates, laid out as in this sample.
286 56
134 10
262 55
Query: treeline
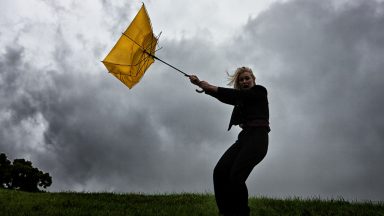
21 175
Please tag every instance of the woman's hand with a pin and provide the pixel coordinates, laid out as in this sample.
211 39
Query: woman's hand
194 80
202 84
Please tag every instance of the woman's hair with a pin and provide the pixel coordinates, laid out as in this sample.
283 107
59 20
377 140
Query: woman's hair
234 78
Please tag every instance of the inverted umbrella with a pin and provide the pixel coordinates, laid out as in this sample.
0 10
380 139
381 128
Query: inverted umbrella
135 51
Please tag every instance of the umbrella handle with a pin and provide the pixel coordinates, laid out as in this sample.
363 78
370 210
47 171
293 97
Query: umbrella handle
199 91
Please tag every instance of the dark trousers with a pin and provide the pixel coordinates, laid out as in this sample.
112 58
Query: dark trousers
234 167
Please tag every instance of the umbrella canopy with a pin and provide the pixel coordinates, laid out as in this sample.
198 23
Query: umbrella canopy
134 52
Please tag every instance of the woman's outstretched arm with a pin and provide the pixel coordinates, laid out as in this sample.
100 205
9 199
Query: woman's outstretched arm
208 88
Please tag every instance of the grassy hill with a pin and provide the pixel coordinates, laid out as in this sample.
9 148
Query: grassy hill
68 203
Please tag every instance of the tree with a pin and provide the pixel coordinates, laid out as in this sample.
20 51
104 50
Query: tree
22 175
5 171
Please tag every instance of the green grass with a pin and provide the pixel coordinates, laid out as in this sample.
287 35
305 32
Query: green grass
69 203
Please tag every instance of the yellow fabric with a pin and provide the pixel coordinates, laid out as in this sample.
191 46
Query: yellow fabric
128 59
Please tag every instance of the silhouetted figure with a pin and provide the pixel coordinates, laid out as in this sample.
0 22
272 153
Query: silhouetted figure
251 113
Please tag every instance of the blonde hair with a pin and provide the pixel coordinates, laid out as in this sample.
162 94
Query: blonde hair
234 78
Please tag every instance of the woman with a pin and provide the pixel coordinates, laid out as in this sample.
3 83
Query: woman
251 113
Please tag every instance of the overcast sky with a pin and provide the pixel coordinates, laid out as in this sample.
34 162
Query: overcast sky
321 61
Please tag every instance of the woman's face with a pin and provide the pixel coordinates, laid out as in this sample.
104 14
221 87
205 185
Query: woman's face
245 80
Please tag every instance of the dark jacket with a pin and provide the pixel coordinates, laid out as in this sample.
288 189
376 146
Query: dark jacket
251 105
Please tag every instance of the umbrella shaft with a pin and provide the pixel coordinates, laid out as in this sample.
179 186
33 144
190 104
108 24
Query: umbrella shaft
185 74
153 56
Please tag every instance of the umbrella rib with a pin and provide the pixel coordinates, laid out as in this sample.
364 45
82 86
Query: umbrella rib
153 56
123 64
144 62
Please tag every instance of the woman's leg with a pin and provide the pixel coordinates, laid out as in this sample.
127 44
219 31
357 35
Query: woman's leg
221 180
253 146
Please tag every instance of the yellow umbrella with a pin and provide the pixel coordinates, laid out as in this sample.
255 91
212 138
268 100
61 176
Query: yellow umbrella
131 55
135 51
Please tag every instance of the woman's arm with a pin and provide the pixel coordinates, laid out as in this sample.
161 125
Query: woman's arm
203 84
234 96
212 90
226 95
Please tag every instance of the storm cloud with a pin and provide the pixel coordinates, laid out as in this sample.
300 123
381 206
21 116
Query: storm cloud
321 62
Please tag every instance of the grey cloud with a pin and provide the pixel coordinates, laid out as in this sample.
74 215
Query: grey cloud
102 136
320 63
